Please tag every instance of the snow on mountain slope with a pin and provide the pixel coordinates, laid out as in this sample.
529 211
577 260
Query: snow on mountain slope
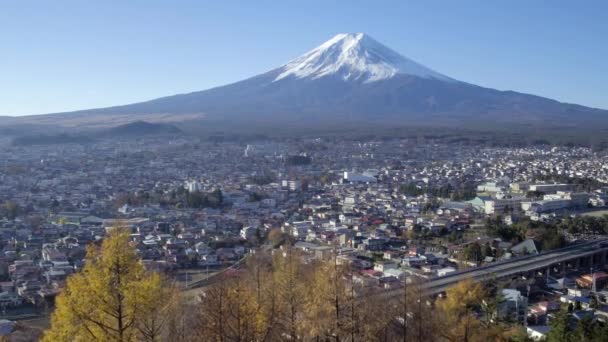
355 57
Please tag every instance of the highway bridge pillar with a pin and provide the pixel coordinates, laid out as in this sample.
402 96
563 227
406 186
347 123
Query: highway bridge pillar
548 272
577 263
603 258
596 259
564 267
591 260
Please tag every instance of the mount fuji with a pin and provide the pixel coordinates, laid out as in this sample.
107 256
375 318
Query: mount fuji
350 77
354 57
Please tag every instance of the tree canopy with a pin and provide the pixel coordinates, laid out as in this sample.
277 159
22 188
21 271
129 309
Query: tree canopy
113 298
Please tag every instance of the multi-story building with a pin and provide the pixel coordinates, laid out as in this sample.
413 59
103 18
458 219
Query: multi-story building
502 205
551 188
514 307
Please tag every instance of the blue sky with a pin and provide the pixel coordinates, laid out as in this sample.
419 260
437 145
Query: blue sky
70 54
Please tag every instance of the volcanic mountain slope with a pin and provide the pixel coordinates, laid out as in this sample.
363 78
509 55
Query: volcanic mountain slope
354 77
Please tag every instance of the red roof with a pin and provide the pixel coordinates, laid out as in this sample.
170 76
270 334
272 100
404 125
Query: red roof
371 273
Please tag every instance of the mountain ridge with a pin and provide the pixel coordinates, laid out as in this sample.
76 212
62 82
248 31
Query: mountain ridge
350 77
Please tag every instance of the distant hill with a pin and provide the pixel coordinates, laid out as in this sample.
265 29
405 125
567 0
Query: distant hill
36 139
132 130
141 128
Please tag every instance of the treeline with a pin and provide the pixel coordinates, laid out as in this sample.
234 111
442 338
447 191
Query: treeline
280 298
177 198
475 134
475 252
298 160
464 192
198 199
548 234
585 225
275 297
565 328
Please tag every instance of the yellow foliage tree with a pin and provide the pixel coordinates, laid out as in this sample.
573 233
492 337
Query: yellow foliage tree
112 299
327 301
228 312
290 291
458 321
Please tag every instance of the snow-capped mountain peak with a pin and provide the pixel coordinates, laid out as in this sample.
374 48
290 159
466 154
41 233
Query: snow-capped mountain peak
354 57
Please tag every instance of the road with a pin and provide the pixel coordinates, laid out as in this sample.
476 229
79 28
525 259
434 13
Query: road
511 267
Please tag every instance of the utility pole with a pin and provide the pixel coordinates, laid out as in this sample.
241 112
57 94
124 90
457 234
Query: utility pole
593 287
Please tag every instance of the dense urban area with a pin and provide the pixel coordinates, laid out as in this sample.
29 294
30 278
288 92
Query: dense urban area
361 239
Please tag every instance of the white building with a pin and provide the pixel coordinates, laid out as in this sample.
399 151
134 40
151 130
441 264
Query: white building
490 187
358 178
514 307
292 185
298 230
538 332
551 188
545 205
193 186
385 266
249 232
445 271
496 205
558 201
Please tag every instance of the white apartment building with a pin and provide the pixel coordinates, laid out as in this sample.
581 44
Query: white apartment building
559 201
496 205
551 188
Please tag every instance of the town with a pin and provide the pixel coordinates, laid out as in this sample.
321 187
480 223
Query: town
398 211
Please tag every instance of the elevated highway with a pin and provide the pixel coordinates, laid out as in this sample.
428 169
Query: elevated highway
585 254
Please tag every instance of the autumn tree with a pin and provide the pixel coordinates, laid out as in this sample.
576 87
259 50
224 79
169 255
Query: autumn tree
457 321
228 312
416 314
283 298
291 291
377 319
264 302
112 299
276 237
213 312
159 306
327 301
260 274
181 318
